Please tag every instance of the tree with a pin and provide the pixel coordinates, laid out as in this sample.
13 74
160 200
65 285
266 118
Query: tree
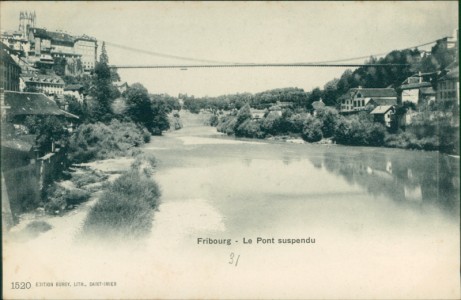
102 90
330 92
75 107
160 120
315 95
328 117
312 131
103 57
138 106
59 66
243 114
48 129
31 89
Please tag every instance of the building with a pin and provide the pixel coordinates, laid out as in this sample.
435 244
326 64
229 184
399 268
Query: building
75 90
87 48
18 44
121 86
27 20
17 40
448 86
41 46
22 105
9 70
358 99
258 114
448 92
384 114
416 90
47 84
61 44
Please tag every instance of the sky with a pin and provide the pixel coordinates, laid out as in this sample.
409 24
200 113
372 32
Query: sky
241 32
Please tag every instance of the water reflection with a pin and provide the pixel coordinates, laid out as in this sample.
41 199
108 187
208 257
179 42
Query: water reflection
406 177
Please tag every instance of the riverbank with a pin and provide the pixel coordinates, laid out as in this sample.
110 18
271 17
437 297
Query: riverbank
66 223
327 126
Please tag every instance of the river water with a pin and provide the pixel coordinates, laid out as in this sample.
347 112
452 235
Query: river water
365 222
385 221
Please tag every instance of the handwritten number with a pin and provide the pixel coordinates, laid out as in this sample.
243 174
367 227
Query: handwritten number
232 256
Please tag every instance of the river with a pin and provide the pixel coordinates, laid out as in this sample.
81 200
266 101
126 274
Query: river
365 222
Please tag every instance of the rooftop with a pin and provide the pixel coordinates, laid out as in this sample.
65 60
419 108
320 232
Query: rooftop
428 91
23 104
417 85
5 58
382 109
59 36
385 101
42 78
375 92
73 87
318 104
453 73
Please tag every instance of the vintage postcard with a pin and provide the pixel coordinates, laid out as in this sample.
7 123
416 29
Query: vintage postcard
230 150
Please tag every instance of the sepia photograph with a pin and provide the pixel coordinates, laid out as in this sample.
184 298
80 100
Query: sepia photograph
230 150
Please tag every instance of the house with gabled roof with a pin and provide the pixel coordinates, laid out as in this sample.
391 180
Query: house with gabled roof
359 99
20 105
384 114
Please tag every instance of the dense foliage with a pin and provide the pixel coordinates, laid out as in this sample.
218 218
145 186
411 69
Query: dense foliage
125 208
48 130
100 141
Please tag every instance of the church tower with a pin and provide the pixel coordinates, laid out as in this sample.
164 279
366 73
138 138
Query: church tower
26 21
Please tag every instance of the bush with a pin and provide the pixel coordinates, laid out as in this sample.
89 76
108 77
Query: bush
101 141
328 117
298 121
312 131
125 208
408 140
249 128
227 124
76 196
375 135
134 186
400 140
86 178
271 124
175 121
213 121
359 130
115 214
146 135
146 162
59 198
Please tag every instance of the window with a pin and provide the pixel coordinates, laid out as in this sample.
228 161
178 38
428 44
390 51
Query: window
359 95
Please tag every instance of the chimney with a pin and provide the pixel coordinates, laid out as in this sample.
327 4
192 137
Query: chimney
420 77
